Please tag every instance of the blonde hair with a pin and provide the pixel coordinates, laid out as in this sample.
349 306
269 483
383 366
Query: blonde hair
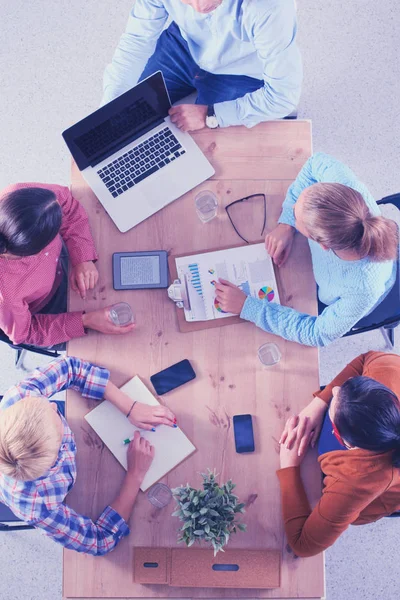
29 439
337 217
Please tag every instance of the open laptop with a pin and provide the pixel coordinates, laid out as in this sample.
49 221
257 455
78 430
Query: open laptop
133 157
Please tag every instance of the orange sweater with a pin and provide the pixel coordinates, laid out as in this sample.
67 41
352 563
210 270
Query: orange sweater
359 486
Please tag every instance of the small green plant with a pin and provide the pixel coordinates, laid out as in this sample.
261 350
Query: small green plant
208 514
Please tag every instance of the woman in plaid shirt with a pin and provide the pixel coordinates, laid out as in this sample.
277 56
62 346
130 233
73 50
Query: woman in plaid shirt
37 455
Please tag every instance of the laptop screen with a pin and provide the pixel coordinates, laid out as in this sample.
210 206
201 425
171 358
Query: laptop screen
119 122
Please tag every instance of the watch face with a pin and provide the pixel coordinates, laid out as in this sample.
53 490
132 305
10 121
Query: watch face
212 122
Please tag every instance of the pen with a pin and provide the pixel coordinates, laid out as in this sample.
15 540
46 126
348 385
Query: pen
128 440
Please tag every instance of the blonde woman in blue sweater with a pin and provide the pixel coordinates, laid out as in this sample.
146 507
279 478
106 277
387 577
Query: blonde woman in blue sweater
353 249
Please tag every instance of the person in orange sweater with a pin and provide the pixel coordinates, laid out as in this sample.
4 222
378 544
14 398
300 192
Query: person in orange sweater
357 420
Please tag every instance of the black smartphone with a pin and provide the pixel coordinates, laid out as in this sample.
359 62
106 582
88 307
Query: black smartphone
243 430
172 377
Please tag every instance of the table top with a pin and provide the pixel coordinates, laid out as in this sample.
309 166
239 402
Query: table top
230 380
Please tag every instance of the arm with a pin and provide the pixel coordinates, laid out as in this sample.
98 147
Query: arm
75 229
273 36
137 44
336 320
310 532
23 327
322 168
58 375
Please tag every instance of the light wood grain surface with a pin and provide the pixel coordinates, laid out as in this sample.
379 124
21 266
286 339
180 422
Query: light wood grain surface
230 380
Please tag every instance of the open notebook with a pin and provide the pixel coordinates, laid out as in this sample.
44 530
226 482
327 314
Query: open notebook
171 444
249 267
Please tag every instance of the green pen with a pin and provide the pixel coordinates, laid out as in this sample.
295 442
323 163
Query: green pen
128 440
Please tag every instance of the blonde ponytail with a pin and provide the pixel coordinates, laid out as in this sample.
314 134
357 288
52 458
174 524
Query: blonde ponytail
337 217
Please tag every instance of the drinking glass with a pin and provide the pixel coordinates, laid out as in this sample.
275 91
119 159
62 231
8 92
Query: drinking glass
121 314
159 495
206 205
269 354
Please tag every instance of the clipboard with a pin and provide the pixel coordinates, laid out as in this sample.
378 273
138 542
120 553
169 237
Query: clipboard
186 326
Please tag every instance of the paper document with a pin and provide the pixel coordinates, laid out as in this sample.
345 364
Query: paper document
248 267
111 425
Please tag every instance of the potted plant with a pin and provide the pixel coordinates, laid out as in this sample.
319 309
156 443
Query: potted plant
208 514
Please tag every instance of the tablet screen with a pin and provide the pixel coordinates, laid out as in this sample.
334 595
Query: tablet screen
139 270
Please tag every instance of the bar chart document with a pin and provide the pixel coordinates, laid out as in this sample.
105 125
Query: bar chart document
248 267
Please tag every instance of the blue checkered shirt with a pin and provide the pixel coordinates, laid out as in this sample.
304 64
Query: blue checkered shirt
41 502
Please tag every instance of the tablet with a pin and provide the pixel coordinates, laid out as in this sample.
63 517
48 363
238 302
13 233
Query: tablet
140 270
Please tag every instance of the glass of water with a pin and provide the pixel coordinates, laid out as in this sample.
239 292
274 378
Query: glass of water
121 314
206 205
269 354
159 495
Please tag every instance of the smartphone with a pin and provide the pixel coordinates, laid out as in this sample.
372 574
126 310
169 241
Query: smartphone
243 430
172 377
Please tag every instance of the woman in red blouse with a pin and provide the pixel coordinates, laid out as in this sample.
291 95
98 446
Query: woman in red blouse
37 223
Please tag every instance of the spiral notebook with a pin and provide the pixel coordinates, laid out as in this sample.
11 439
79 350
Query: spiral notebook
111 425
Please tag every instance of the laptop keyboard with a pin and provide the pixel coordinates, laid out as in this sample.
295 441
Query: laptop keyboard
142 161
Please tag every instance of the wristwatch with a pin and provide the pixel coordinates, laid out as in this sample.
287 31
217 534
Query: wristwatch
211 119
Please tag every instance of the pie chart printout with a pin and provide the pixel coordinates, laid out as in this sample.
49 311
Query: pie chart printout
266 293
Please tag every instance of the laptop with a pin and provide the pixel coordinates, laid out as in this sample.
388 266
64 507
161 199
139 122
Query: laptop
133 157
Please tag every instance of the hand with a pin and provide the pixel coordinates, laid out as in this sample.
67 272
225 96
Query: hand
99 320
140 456
291 457
189 117
83 277
279 243
146 416
312 417
230 297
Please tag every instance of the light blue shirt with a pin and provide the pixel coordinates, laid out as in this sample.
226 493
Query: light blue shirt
351 289
256 38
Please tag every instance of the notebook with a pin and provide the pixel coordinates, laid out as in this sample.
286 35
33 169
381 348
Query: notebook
111 425
249 267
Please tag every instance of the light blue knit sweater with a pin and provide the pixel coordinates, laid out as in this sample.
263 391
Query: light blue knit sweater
350 289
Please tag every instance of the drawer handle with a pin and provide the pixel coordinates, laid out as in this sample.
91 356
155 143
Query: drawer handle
225 567
150 565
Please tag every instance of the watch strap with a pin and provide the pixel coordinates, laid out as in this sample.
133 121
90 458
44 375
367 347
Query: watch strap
210 110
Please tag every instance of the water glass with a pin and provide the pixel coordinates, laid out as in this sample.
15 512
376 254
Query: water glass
121 314
206 205
159 495
269 354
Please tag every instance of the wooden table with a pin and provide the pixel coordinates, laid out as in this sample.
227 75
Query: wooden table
230 379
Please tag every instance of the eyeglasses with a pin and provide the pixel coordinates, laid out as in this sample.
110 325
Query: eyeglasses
246 213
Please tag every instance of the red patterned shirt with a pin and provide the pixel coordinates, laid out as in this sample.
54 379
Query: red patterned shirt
27 284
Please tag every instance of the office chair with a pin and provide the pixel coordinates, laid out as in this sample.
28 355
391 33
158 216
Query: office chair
20 348
386 315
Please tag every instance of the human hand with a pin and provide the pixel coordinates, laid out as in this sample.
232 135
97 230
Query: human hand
291 457
189 117
140 456
100 320
312 417
146 416
229 296
83 277
279 243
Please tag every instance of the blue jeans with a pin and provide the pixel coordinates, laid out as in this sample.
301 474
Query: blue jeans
183 76
327 440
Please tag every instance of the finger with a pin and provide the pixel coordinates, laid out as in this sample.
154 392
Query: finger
277 251
163 411
91 282
80 280
283 436
291 438
304 444
87 280
136 440
226 282
303 427
73 282
175 110
315 436
163 421
152 451
145 426
96 276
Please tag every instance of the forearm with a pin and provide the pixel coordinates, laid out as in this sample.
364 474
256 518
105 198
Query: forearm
118 398
124 502
46 329
135 47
